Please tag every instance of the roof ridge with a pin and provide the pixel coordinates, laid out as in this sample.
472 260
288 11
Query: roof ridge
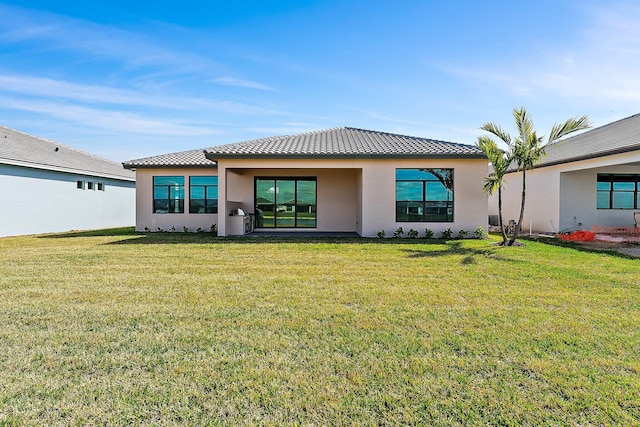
277 137
380 132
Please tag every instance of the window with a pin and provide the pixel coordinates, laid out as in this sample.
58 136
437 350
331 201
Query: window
285 202
617 191
424 195
168 194
100 186
89 185
203 194
80 185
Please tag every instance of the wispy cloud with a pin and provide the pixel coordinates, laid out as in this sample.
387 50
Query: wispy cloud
43 88
109 119
600 67
62 33
231 81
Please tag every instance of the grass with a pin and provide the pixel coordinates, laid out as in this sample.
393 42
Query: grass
119 328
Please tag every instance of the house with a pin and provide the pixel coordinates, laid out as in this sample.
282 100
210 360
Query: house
50 187
591 179
335 180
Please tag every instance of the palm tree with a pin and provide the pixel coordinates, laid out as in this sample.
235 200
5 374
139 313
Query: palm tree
500 161
528 148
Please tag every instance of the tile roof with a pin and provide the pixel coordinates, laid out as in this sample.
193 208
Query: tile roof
187 159
341 142
344 142
20 149
617 137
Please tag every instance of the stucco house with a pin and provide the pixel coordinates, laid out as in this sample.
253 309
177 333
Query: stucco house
591 179
336 180
50 187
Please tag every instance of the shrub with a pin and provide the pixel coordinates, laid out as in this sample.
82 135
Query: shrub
200 230
214 228
398 233
428 233
462 234
381 234
479 233
412 234
185 229
446 234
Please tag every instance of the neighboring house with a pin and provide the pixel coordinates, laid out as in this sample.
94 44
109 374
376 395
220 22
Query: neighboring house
589 179
49 187
335 180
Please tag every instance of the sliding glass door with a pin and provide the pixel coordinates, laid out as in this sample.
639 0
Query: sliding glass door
285 202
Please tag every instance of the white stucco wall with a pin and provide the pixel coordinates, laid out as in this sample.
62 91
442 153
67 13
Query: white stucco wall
379 195
145 218
353 194
560 196
42 201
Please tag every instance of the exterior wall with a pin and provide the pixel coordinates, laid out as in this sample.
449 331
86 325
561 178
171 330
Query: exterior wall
42 201
358 195
541 204
379 196
145 218
560 196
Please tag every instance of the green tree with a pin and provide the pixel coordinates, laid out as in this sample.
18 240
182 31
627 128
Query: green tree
500 161
528 148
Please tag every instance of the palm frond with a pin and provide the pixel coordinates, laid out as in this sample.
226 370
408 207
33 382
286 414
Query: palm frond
572 125
524 124
497 131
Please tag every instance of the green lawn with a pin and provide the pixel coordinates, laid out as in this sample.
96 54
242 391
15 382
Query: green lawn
119 328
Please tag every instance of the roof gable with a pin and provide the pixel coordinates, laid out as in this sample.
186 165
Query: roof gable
21 149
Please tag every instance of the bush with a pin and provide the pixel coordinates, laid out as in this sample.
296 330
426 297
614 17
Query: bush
479 233
446 234
398 233
462 234
381 234
412 234
428 233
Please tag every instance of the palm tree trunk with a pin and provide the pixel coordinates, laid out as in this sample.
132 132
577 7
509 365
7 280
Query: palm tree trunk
516 231
502 229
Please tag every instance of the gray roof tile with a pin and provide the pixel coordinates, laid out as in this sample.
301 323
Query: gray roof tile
188 159
344 142
617 137
18 148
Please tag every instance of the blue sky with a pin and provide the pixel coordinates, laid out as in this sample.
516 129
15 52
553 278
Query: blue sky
132 79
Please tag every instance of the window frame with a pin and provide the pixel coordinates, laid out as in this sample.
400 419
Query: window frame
612 179
169 200
421 203
296 180
205 188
